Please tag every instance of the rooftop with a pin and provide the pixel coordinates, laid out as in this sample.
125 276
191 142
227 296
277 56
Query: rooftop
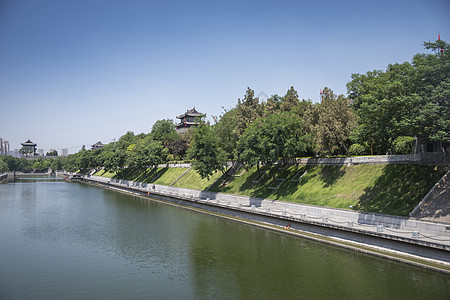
28 143
191 112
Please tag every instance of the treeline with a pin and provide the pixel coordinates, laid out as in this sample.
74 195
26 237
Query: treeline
40 165
383 113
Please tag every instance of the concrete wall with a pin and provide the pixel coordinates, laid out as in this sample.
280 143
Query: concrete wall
436 202
378 159
369 222
436 158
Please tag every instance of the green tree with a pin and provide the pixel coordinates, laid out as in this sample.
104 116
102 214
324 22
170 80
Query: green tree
178 148
272 105
433 85
52 153
205 151
226 129
41 165
70 163
26 151
385 103
247 110
56 165
333 122
25 165
147 153
268 139
290 100
164 131
3 166
12 162
405 100
85 159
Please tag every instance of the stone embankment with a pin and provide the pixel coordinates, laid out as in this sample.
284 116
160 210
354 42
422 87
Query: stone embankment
432 158
407 230
3 176
435 206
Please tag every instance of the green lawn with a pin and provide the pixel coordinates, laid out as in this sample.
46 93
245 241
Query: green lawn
104 173
389 189
192 180
167 176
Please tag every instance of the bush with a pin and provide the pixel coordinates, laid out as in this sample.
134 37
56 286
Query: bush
357 149
3 166
403 145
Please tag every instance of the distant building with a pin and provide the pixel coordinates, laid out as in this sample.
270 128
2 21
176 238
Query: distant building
64 152
190 118
4 147
15 153
41 152
32 146
97 145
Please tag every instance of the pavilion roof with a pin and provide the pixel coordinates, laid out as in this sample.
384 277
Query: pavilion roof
98 144
28 143
192 113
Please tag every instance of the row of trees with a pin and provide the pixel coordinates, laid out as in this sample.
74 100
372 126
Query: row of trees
9 163
383 113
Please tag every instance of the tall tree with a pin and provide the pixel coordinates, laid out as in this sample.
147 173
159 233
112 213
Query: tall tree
334 121
164 131
385 103
405 100
272 105
248 110
147 153
268 139
433 85
226 129
290 100
208 156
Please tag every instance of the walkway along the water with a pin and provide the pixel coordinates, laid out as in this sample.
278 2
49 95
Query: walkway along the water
427 240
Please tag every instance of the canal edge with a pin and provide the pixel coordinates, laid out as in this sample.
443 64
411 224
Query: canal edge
382 252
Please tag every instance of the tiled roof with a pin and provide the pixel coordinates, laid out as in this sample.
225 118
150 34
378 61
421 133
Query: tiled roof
191 112
28 143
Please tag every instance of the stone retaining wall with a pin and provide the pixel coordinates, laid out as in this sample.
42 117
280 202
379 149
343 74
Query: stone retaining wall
437 158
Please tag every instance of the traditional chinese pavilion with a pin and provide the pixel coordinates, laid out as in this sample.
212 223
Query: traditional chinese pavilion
190 118
97 145
31 145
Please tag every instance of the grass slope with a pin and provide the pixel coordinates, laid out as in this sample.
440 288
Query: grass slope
165 176
192 180
390 189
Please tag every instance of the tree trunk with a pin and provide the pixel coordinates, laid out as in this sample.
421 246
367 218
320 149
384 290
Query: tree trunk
346 150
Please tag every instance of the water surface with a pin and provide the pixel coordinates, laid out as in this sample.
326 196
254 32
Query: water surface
64 240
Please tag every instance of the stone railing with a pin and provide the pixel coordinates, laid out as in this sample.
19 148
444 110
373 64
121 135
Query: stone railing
437 158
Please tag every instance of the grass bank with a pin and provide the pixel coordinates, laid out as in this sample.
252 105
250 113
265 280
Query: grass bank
389 189
177 177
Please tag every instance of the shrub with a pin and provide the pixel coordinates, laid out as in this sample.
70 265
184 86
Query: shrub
404 145
357 149
3 166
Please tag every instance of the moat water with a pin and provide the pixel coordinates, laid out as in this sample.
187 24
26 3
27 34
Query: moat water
62 240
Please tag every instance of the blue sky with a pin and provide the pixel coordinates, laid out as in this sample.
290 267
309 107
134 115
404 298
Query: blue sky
76 72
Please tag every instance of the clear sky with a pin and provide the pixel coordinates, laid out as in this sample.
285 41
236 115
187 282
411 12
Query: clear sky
74 72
